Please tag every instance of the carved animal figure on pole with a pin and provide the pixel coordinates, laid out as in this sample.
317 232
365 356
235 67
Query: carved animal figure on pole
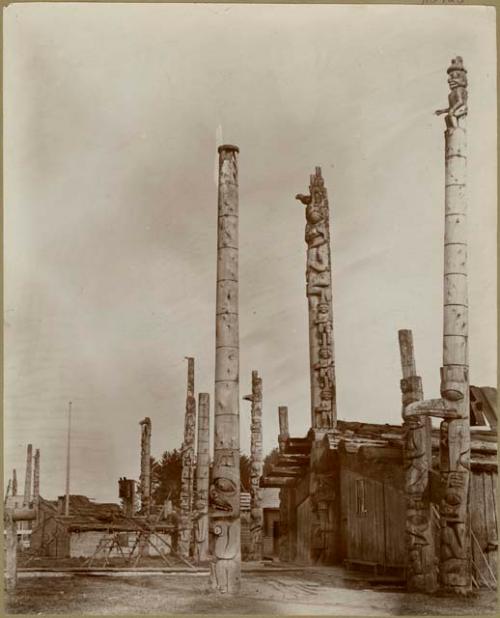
224 497
257 464
453 406
421 570
319 295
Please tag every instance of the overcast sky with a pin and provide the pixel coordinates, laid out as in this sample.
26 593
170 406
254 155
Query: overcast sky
113 114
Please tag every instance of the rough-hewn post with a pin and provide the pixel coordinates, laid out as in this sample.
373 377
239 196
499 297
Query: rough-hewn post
421 568
145 478
126 491
8 490
11 517
14 482
225 488
36 476
202 478
10 551
257 464
453 407
283 425
27 478
319 295
187 479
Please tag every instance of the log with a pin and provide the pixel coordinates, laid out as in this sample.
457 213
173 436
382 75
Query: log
272 481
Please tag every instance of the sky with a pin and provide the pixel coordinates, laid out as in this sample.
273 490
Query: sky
112 118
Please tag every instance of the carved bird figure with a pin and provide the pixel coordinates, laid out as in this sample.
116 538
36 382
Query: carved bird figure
305 199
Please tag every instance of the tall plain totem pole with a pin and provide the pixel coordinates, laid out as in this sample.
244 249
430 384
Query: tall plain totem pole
257 464
421 570
187 478
145 478
225 488
319 295
202 479
453 406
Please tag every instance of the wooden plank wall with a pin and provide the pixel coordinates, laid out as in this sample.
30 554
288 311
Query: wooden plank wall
304 522
395 526
484 525
375 537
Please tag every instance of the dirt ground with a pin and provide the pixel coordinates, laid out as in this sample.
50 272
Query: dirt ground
307 592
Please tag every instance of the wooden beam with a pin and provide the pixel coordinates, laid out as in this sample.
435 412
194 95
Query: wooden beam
291 471
270 481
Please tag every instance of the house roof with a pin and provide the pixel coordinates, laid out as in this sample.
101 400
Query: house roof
353 435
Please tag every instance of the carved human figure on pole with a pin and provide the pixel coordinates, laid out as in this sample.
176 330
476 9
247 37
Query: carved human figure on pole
319 294
457 99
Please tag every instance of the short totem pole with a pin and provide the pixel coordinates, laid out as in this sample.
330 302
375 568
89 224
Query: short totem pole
421 568
145 478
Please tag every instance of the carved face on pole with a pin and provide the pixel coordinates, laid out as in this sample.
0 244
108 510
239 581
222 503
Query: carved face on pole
224 496
457 79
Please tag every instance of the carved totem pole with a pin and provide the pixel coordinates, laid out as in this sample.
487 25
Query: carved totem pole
284 513
319 295
27 478
145 478
421 570
14 482
225 488
257 464
36 476
453 406
321 356
187 478
202 478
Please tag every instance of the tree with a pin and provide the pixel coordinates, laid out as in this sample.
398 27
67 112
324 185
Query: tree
270 460
166 478
245 472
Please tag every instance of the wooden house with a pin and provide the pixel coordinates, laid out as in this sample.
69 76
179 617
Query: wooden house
342 498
